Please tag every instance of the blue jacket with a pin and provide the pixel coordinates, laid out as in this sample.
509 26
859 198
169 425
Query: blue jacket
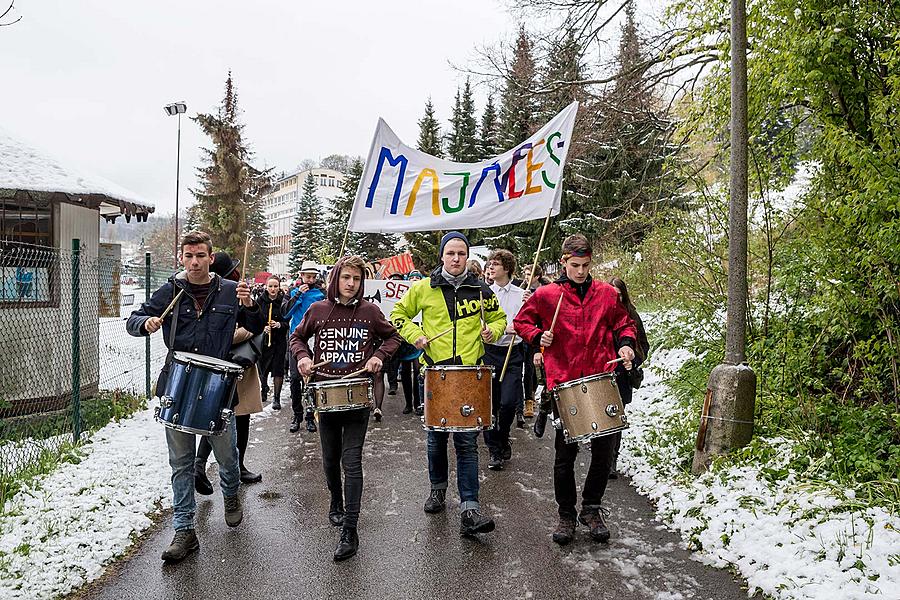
209 332
296 306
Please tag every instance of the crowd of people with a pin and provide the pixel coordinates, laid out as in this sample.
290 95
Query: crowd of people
320 328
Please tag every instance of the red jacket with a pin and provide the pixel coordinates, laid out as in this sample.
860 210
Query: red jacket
583 335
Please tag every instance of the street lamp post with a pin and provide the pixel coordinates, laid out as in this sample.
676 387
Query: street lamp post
176 108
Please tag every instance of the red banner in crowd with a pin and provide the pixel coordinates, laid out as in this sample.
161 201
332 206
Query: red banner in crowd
401 263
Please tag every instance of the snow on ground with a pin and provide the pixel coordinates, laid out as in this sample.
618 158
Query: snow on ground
786 539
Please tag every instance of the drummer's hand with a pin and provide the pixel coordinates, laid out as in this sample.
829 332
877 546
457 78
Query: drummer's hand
510 329
546 338
538 359
152 324
304 365
243 294
628 354
373 365
267 329
421 342
487 335
527 295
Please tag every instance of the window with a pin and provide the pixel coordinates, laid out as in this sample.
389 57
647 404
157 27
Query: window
28 256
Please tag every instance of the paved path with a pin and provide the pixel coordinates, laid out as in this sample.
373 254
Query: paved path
283 548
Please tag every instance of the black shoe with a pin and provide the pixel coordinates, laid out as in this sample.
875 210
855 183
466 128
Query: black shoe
520 421
495 463
436 502
276 404
613 475
565 531
248 476
392 390
295 425
347 545
377 415
540 424
472 521
184 543
336 513
419 410
507 451
201 482
234 514
311 425
594 520
407 409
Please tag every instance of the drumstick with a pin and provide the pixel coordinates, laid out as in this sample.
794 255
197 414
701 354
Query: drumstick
556 314
443 333
320 364
354 373
270 327
481 301
620 359
246 250
171 305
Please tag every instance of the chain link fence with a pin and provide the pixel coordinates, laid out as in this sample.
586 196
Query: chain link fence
67 365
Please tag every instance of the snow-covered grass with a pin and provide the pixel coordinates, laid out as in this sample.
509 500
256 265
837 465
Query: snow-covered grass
789 539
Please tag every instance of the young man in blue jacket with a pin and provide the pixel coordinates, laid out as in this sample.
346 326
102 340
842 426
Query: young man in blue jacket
294 309
206 316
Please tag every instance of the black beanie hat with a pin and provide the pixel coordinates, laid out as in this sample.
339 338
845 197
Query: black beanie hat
452 235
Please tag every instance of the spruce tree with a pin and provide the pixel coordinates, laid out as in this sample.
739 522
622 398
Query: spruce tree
229 196
336 221
488 141
517 109
423 245
463 137
307 227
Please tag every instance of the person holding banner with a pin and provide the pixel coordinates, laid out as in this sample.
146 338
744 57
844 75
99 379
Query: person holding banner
509 393
203 322
580 344
452 299
350 332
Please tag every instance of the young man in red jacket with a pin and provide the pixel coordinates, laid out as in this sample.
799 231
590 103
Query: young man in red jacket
581 344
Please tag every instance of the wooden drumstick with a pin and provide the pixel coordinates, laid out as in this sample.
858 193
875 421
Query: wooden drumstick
481 301
246 252
320 364
618 360
171 305
354 373
441 334
270 327
556 314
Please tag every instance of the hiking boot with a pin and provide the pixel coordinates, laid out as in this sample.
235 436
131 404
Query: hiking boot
311 425
201 481
520 420
184 543
347 545
565 531
436 502
295 425
507 451
495 463
529 408
377 415
472 521
234 514
248 476
336 513
276 404
594 520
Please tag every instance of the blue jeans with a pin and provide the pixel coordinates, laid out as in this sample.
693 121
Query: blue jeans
466 445
181 458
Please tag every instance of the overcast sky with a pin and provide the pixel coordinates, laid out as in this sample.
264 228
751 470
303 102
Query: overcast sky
87 80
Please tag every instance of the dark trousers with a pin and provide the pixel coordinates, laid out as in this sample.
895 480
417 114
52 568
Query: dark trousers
342 434
242 428
391 368
409 377
507 396
297 392
602 449
530 374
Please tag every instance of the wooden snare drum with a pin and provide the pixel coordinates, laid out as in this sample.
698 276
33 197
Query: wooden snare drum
590 407
340 394
458 398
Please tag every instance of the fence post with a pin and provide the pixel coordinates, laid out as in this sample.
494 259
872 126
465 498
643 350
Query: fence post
147 339
76 338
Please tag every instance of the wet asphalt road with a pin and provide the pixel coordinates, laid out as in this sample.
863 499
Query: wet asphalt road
283 547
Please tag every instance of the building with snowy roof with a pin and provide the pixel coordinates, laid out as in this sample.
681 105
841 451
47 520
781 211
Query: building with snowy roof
44 207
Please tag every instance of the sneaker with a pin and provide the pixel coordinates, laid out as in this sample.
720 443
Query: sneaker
248 476
472 521
392 390
184 543
311 425
419 410
507 451
594 520
520 420
295 425
377 415
565 531
276 404
529 408
436 502
495 463
234 514
201 481
347 545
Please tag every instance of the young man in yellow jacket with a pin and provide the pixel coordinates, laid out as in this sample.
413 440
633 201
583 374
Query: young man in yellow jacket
451 298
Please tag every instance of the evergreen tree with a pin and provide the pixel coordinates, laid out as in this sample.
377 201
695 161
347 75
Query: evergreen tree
488 142
517 109
229 196
423 245
462 140
430 132
337 220
307 227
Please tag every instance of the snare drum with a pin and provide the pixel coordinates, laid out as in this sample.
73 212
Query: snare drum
340 394
198 395
590 407
458 398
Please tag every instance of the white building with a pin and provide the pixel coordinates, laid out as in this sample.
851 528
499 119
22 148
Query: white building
280 207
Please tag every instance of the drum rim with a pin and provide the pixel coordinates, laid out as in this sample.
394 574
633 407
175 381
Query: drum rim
343 407
594 434
580 380
205 361
339 383
458 367
193 430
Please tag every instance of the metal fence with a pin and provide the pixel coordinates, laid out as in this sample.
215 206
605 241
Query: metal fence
67 365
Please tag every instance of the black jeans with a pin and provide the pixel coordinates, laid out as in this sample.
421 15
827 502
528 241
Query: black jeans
342 434
507 396
391 368
242 427
297 393
530 375
602 449
409 377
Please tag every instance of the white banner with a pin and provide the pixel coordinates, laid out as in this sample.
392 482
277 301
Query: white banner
403 189
385 293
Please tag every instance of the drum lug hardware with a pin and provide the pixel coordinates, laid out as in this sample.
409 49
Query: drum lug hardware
612 410
594 426
187 368
573 410
478 375
443 421
583 390
175 418
350 396
227 414
212 427
443 375
166 401
466 410
156 412
480 421
624 420
323 398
